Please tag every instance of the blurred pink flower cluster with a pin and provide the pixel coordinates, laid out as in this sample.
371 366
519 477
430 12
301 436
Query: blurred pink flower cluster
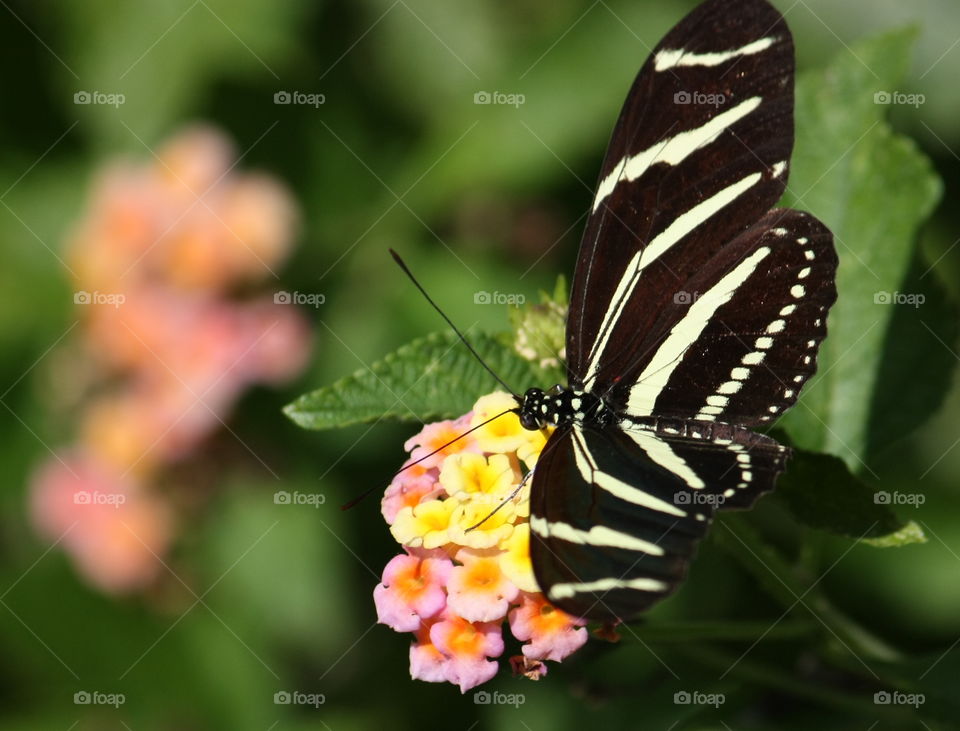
462 519
167 260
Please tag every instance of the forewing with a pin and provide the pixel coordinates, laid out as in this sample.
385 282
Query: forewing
700 152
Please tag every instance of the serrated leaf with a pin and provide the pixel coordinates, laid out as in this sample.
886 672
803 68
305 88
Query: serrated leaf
822 493
430 378
873 188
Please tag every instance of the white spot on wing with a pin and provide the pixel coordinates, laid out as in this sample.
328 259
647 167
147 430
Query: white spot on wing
776 326
729 387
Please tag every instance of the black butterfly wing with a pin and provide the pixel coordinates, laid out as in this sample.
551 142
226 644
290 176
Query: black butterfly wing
616 515
738 345
699 154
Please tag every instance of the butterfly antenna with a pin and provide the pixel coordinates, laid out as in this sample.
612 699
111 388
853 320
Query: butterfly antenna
406 270
455 439
361 496
503 502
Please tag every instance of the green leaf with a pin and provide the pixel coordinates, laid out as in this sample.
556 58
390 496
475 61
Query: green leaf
821 492
873 188
430 378
919 340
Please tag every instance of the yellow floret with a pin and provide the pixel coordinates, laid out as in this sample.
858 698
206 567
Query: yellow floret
425 525
515 561
494 527
466 475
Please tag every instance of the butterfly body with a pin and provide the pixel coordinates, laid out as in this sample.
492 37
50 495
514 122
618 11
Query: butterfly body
696 313
562 406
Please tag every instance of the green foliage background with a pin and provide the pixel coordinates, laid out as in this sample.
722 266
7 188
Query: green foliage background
789 615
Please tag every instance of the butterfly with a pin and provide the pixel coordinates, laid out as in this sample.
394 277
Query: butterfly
696 312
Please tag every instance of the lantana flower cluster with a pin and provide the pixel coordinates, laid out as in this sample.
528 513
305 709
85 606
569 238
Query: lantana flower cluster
462 519
168 260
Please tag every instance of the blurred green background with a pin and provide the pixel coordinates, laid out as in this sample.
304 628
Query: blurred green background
270 597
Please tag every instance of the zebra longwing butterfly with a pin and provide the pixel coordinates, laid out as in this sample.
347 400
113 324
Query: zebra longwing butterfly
696 313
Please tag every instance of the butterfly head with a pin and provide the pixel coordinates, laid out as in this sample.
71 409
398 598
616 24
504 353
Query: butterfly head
533 409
